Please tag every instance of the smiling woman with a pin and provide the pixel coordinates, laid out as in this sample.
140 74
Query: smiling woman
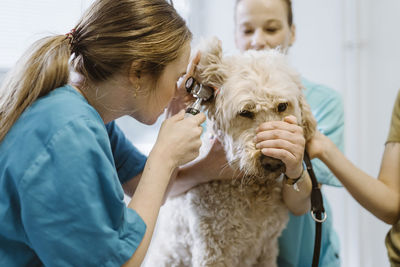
264 24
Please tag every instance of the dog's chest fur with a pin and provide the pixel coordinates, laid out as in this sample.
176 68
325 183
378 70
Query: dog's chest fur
221 223
230 201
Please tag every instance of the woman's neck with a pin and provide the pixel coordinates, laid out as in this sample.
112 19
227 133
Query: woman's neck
106 97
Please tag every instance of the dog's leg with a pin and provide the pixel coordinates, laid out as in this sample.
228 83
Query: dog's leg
270 246
205 250
207 227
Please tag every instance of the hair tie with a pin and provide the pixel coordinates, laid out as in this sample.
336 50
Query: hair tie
70 36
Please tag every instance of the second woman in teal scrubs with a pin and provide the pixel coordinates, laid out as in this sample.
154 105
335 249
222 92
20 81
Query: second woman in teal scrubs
266 24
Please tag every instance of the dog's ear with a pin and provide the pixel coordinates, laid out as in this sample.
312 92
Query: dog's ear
210 70
307 118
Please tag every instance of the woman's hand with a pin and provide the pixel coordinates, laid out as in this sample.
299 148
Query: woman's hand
182 98
283 140
178 141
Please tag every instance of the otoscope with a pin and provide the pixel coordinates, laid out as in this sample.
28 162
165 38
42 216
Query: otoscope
200 92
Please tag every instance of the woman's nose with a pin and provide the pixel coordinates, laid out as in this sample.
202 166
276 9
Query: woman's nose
259 40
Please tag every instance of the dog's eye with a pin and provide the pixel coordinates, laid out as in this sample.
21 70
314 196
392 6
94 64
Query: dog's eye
246 114
282 107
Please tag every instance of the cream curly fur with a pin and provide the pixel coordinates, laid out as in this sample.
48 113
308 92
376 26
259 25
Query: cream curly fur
234 223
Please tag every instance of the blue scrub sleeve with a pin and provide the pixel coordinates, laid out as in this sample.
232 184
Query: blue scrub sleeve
330 118
72 204
129 162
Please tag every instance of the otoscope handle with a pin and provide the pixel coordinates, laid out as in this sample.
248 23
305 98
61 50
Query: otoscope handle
194 109
191 111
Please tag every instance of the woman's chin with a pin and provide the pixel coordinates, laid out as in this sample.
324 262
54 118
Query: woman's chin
147 121
152 122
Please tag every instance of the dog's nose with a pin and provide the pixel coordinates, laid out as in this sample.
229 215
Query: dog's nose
272 164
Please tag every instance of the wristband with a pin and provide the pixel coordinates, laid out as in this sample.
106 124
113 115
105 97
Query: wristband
293 181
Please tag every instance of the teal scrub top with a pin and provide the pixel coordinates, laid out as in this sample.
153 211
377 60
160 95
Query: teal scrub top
296 244
61 199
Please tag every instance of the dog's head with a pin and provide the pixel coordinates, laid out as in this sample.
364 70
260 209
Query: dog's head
253 88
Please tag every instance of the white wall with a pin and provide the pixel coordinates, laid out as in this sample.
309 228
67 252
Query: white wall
23 22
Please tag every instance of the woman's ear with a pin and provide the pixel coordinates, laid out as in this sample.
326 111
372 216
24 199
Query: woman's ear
134 72
307 118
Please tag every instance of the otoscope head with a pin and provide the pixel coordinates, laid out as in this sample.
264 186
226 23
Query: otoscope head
199 90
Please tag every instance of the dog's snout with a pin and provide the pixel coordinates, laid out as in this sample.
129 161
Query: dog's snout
272 164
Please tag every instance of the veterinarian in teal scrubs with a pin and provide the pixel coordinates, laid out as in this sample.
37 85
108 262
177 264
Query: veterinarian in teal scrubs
63 159
265 24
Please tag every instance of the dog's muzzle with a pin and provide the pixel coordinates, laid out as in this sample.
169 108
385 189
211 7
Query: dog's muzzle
272 164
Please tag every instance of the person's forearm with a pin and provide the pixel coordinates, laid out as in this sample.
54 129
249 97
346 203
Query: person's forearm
198 172
147 200
371 193
131 185
298 202
186 178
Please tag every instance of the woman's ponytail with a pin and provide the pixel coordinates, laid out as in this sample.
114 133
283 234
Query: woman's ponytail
42 68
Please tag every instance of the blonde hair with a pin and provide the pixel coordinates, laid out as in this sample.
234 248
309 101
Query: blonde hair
109 37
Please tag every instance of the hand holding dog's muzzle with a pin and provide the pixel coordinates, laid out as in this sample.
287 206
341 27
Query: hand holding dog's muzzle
282 140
